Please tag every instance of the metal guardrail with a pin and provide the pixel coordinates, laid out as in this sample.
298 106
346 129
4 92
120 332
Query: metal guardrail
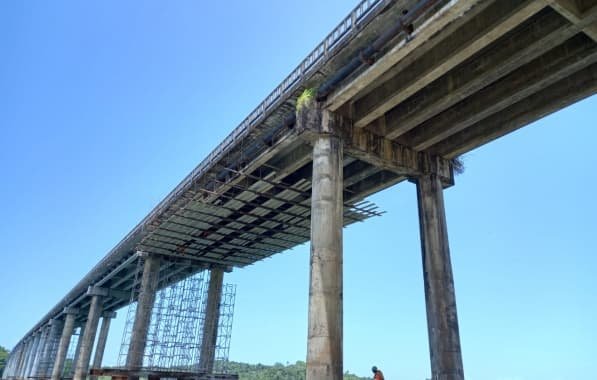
342 32
351 23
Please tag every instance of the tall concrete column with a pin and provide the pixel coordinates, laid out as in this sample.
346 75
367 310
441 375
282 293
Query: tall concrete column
25 359
324 344
442 319
20 369
12 358
88 338
43 340
149 284
102 339
212 316
67 332
32 354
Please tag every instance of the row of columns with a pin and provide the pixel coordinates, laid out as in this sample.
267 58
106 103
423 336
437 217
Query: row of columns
325 316
43 355
324 342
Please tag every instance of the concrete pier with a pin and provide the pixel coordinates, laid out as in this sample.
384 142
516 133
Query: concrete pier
67 332
31 354
324 345
102 338
212 315
149 283
43 341
442 319
88 337
20 370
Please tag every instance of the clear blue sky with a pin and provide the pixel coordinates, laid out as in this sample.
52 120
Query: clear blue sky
106 105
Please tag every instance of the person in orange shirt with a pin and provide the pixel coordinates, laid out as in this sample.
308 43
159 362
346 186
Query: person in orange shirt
377 374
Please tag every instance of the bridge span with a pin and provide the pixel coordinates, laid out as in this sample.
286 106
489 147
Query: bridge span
395 93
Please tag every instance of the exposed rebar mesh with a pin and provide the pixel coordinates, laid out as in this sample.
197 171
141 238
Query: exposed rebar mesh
224 328
69 362
130 315
47 361
176 327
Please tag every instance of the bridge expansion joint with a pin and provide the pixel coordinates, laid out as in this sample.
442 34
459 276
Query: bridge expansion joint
313 120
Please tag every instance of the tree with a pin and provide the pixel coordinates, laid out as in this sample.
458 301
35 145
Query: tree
277 371
3 358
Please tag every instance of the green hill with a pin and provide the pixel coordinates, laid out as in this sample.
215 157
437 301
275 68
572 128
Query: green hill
277 371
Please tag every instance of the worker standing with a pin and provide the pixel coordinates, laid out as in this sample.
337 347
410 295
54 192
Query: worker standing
377 374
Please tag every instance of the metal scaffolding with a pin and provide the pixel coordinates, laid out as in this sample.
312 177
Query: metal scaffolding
69 362
224 328
176 327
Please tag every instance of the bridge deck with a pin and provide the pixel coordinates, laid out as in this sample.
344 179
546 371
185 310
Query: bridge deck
472 71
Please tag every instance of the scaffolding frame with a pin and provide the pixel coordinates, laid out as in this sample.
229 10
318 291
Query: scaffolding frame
174 337
69 363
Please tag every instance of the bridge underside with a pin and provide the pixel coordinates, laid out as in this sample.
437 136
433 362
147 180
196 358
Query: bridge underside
463 74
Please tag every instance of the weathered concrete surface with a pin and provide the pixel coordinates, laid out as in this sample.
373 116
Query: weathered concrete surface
149 283
88 338
67 332
442 319
324 345
31 355
43 339
102 338
212 315
20 372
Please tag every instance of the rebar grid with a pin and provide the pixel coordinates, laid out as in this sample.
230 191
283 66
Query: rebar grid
224 328
177 323
47 361
69 362
130 315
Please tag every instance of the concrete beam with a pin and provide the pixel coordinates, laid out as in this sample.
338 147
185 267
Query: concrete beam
422 40
559 95
392 156
210 326
527 42
577 12
381 180
558 63
442 318
369 147
494 22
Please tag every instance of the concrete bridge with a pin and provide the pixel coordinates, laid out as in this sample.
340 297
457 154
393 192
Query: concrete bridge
400 89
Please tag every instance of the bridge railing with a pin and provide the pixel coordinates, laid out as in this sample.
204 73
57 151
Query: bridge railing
347 27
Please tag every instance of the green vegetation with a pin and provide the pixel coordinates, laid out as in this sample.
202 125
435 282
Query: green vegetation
3 358
305 98
277 371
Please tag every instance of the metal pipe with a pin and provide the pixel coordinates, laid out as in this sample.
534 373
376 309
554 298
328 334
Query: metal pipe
365 55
